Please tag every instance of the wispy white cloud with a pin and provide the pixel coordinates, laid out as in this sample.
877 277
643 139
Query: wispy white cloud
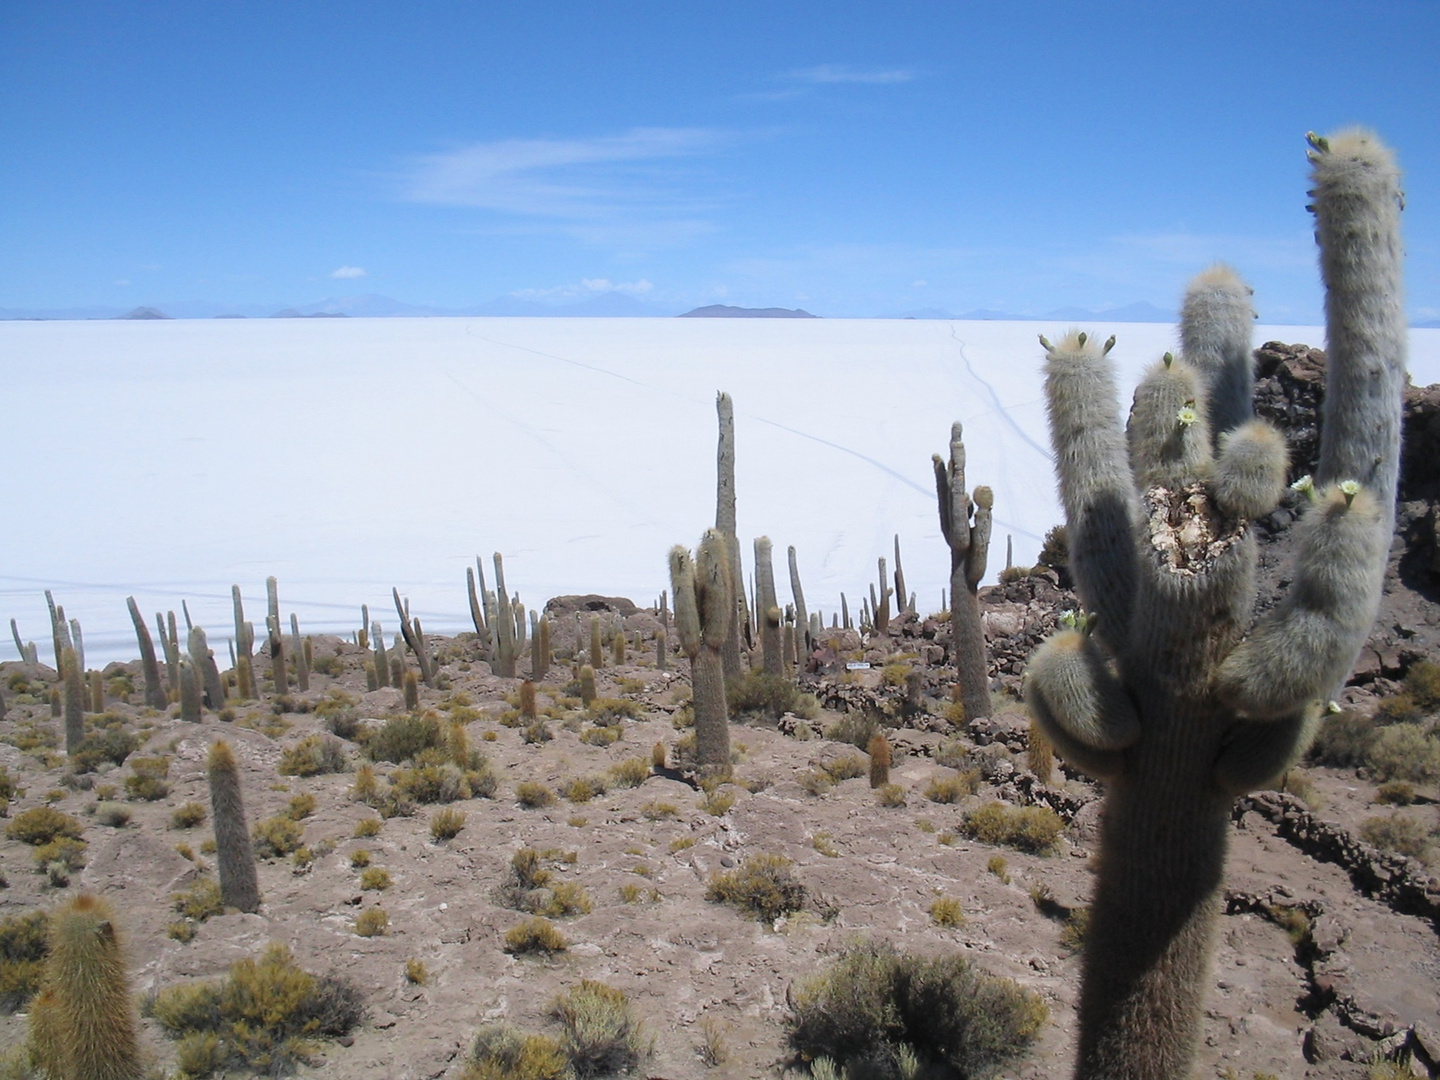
586 287
348 272
822 74
617 188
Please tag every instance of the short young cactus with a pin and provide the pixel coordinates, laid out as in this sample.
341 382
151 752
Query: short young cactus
1165 690
86 1025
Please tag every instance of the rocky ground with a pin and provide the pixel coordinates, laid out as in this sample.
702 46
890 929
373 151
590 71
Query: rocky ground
1327 955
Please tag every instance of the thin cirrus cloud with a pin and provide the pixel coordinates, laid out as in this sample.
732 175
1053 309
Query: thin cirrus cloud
826 74
348 272
592 188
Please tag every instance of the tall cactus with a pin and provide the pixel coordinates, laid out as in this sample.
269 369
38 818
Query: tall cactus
1173 699
503 624
965 524
725 522
234 855
704 598
767 610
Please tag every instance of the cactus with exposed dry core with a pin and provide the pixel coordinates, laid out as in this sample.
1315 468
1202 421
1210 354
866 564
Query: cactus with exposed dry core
1172 697
86 1027
704 595
74 698
965 524
234 854
879 751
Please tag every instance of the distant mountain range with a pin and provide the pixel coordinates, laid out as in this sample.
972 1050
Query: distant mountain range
725 311
602 305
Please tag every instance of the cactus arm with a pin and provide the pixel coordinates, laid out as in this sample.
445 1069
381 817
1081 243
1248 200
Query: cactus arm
1249 475
1069 674
1101 507
1357 201
979 556
1216 315
687 614
1297 653
1168 432
1256 753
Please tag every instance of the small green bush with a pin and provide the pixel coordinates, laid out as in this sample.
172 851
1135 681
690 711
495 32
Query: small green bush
757 694
300 807
632 772
536 934
763 885
890 795
375 879
277 836
261 1017
873 1007
402 738
855 728
148 778
312 756
1028 828
113 745
200 901
41 825
847 767
1422 683
602 1035
113 814
947 912
367 827
431 784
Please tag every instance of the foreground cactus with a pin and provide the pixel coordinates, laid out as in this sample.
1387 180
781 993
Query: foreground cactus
234 855
704 598
1173 698
84 1026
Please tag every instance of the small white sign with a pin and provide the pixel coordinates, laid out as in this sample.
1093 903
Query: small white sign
857 665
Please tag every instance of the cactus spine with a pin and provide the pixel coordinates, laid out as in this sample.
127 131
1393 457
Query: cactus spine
234 854
85 1027
704 596
965 524
1166 696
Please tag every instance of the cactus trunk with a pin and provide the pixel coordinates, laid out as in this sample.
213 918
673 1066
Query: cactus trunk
234 855
149 664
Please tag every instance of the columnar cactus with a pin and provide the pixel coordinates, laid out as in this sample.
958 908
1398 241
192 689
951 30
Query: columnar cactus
767 610
477 607
74 699
965 524
1172 697
725 522
234 855
704 597
503 661
414 638
803 643
87 1025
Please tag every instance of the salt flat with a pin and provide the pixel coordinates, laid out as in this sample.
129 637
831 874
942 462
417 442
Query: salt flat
344 456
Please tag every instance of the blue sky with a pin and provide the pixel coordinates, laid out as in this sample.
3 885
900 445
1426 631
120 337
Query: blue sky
851 159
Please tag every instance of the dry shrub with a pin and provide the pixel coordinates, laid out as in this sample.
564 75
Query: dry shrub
602 1035
446 824
41 825
312 756
890 795
537 934
760 695
262 1017
632 772
763 885
1404 752
533 795
1028 828
23 947
1395 793
405 737
946 911
187 815
277 836
951 789
504 1052
1399 833
875 1006
372 922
